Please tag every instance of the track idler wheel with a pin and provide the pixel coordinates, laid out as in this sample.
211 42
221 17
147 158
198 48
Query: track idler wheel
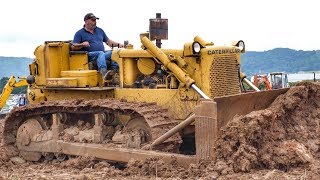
137 132
60 157
25 135
48 156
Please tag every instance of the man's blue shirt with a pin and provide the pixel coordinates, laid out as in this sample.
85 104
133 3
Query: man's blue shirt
95 40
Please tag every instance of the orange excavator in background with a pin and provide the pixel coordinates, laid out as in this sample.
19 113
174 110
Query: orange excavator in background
262 78
278 80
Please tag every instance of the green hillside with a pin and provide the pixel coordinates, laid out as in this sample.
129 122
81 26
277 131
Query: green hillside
17 66
280 59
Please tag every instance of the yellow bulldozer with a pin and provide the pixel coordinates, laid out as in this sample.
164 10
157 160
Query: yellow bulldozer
165 102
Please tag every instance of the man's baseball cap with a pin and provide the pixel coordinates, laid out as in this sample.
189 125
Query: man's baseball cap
90 16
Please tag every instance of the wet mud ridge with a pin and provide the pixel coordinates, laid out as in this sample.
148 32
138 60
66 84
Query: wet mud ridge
279 142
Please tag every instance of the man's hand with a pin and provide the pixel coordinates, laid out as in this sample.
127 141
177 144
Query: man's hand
78 46
85 44
113 44
121 45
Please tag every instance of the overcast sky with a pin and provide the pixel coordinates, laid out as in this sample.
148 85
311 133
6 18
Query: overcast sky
262 24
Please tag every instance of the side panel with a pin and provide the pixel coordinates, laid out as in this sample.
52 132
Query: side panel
39 67
36 95
51 59
71 94
56 58
78 61
179 102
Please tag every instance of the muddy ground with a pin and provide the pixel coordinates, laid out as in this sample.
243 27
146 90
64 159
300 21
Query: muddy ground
280 142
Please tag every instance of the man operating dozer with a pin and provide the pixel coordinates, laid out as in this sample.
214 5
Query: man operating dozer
91 38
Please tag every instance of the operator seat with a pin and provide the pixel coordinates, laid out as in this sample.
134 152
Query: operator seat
83 55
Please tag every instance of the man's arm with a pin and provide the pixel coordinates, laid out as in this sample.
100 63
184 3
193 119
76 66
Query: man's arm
78 46
112 43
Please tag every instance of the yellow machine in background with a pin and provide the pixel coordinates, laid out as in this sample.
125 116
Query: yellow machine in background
158 93
8 88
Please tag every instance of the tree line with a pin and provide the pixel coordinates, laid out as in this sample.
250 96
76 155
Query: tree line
280 60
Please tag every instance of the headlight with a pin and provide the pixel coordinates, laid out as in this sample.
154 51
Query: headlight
31 79
241 45
196 47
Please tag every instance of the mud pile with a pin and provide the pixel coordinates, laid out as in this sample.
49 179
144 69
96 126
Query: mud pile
283 136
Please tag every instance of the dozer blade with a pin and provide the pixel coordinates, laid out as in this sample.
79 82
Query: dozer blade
241 104
212 115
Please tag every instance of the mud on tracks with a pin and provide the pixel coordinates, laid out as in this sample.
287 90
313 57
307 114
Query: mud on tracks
157 118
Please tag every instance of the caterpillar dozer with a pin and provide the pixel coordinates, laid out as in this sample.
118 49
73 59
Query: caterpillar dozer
164 103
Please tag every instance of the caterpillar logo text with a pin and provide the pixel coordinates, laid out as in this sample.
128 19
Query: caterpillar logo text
223 51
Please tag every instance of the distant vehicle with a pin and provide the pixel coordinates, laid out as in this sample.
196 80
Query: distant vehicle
262 78
276 80
279 80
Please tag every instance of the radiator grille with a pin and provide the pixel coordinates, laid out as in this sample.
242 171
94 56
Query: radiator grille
224 76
